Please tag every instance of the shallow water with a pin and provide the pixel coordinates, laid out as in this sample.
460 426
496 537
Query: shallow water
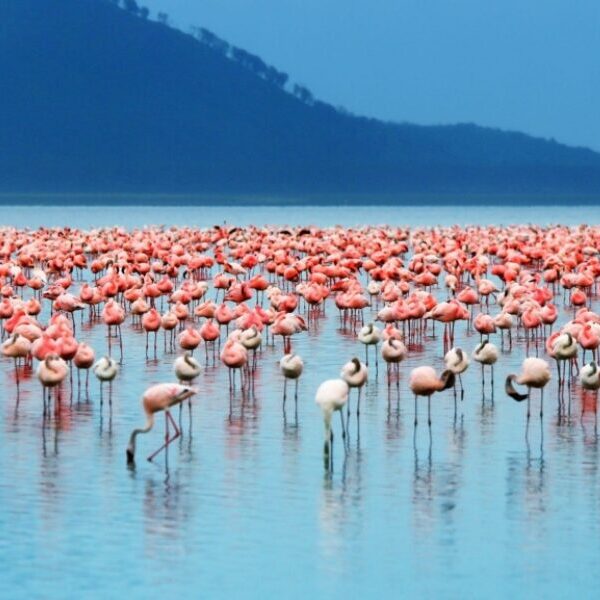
484 507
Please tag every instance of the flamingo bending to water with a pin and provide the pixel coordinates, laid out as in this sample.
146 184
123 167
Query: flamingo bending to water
162 396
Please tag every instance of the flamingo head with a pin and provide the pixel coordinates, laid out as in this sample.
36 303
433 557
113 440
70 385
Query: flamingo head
511 391
448 379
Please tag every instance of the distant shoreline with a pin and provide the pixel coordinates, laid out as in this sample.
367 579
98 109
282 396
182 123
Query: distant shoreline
309 200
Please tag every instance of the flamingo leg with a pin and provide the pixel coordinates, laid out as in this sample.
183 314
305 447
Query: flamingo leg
343 425
168 439
429 410
416 419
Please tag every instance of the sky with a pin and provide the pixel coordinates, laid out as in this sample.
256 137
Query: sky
526 65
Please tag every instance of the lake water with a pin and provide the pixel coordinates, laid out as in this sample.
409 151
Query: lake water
243 508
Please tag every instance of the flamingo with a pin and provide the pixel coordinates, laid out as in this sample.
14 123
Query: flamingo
331 396
234 356
369 335
51 372
113 315
423 381
151 321
535 373
590 376
162 396
291 366
106 369
251 339
457 361
393 352
16 347
355 374
564 349
186 367
84 359
486 353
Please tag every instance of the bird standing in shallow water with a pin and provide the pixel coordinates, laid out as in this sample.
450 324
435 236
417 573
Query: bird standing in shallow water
331 396
458 362
486 353
162 396
187 368
423 381
393 351
589 377
369 335
564 349
51 372
84 359
535 373
16 347
355 374
291 367
106 369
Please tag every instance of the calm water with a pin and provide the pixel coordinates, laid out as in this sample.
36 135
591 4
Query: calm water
483 508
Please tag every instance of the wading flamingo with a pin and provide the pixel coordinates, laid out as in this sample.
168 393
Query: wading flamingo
590 376
106 369
369 335
423 381
331 396
16 347
355 374
162 396
486 353
457 361
393 352
535 373
51 372
84 359
291 366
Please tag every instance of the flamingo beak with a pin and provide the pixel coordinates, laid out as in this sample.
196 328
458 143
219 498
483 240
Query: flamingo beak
130 457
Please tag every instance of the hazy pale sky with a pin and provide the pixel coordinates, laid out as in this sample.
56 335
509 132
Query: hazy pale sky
528 65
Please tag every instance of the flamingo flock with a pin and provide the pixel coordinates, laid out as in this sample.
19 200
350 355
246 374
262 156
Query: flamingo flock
237 291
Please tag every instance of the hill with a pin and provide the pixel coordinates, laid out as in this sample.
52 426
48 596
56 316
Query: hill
97 99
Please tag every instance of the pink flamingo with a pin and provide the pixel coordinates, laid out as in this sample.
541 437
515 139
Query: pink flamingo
162 396
189 339
16 347
423 381
84 359
51 372
535 373
151 324
484 324
589 338
234 356
113 315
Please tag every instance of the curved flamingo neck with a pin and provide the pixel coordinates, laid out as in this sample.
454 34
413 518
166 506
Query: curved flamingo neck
136 432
